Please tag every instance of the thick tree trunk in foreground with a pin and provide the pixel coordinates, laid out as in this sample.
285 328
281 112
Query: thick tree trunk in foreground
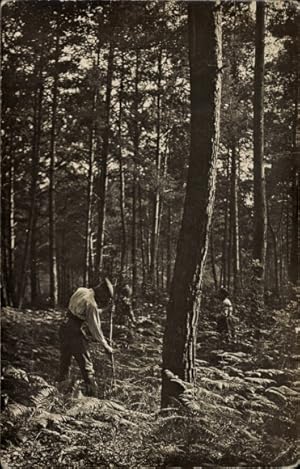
184 305
260 212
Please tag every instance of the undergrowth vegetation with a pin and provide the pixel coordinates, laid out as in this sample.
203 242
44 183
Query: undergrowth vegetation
242 410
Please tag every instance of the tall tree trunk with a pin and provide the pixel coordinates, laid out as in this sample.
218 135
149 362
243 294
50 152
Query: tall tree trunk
134 237
121 171
89 261
5 290
224 271
294 253
134 182
260 215
287 233
52 185
234 219
213 258
11 231
142 243
30 240
90 194
156 202
169 247
275 253
34 272
103 164
148 240
281 259
184 305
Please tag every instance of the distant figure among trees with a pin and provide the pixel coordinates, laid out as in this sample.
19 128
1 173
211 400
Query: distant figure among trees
124 311
83 309
226 326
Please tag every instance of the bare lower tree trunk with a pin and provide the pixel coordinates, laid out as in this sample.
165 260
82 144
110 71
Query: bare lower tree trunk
184 305
234 219
5 290
11 231
224 276
213 259
89 255
90 195
121 171
287 233
157 201
148 241
33 261
134 237
294 253
169 247
142 243
275 254
260 215
134 182
103 164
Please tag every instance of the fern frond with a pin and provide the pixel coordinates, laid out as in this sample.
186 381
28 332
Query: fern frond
212 371
42 397
17 411
208 394
218 409
258 415
261 381
246 433
276 395
15 373
286 391
261 405
44 418
234 384
234 371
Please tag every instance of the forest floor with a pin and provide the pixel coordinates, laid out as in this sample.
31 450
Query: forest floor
241 412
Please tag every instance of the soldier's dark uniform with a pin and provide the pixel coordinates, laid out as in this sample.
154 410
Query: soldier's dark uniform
124 311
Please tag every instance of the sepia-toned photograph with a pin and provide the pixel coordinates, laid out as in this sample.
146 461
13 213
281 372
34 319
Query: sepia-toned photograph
150 234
